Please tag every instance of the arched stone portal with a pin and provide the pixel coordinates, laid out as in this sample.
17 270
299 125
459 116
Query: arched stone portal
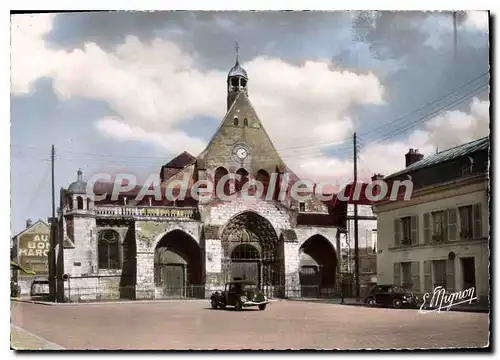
318 266
178 266
251 249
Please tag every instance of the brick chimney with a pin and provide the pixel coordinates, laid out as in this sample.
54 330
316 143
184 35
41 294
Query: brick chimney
28 223
376 190
413 156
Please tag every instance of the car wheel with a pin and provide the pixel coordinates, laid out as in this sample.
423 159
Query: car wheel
214 304
370 302
238 306
262 307
397 303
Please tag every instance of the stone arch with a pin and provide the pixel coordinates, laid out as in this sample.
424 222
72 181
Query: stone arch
318 259
263 177
178 265
253 230
244 178
219 173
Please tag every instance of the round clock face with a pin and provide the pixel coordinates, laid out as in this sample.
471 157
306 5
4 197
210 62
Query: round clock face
241 153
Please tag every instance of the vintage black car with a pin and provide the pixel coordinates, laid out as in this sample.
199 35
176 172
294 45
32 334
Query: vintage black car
240 294
390 295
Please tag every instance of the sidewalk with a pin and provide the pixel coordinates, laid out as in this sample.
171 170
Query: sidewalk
109 302
21 339
480 308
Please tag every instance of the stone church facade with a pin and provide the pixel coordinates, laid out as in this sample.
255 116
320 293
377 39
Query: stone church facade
150 248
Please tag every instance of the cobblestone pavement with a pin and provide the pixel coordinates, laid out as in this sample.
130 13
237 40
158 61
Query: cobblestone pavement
283 325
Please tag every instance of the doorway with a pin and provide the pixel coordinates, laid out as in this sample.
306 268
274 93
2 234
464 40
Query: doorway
468 273
245 263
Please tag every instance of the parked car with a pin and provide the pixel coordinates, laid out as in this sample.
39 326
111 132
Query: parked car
40 287
240 294
390 295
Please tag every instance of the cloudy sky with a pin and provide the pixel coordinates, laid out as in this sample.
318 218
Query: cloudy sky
126 91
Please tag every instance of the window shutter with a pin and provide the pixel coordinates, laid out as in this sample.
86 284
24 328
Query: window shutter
414 230
452 224
428 276
427 228
397 273
415 276
476 209
397 232
450 275
445 225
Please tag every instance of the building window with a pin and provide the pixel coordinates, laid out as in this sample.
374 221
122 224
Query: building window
109 250
465 222
438 226
235 121
466 169
302 207
79 203
406 274
439 272
406 231
245 121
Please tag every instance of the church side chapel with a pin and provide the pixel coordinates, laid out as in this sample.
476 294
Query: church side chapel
151 249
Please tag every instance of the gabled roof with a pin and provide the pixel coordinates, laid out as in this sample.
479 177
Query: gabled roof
32 225
181 161
446 155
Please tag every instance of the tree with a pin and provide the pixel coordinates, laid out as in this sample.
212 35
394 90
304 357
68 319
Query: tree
14 287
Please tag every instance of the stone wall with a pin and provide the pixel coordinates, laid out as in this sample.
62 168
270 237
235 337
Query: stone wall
83 259
92 288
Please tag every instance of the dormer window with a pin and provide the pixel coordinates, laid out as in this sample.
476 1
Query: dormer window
466 169
235 121
245 122
302 207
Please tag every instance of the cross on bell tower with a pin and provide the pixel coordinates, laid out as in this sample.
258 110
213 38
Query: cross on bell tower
237 79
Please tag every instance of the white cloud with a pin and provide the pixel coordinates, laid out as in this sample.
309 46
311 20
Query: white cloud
174 141
30 59
443 132
154 87
478 20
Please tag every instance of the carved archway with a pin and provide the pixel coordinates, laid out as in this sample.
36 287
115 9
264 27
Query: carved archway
255 235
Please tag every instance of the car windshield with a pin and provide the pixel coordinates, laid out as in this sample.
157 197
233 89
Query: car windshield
399 289
250 287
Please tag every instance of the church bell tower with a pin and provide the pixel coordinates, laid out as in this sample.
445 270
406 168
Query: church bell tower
237 80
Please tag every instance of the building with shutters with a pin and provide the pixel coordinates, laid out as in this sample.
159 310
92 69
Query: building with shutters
152 248
440 236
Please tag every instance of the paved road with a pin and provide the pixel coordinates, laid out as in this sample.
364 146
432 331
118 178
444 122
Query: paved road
283 325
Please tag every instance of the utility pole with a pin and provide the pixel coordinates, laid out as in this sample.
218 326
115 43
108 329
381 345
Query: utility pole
52 252
455 38
356 239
